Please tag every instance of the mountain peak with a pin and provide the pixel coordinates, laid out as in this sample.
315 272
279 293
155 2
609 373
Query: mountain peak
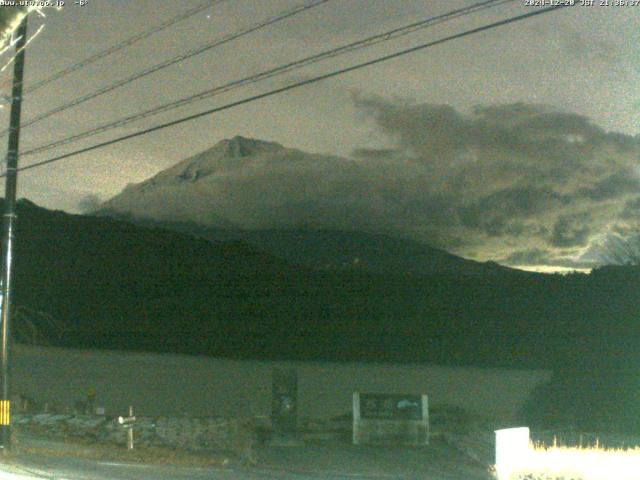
240 146
226 154
188 190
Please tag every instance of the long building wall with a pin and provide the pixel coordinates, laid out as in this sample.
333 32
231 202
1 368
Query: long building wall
167 384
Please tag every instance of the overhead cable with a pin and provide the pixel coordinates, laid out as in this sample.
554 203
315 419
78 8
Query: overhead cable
273 72
172 61
299 84
122 45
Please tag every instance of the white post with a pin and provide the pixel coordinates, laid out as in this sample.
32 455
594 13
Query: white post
512 450
130 431
356 418
425 413
127 422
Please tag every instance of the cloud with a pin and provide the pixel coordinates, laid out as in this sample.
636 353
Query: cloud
524 182
502 182
529 257
373 153
571 231
631 210
622 182
510 205
89 203
537 259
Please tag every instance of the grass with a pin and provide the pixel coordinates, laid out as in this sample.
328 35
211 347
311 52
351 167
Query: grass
113 452
146 455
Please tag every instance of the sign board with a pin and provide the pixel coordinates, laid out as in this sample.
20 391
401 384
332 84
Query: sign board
380 406
395 419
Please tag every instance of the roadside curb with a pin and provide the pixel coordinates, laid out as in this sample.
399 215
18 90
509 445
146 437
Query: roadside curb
14 472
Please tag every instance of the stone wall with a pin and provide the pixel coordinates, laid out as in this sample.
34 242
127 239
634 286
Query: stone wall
194 434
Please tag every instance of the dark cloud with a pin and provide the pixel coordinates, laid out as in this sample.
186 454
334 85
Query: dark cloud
408 123
591 50
518 177
373 153
89 203
631 210
515 183
571 231
529 257
615 185
502 206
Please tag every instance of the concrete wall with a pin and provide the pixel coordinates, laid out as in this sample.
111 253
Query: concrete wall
164 385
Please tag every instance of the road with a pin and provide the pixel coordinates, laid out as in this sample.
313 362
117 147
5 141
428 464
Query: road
307 462
81 469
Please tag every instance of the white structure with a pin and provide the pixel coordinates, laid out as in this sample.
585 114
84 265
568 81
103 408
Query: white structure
512 450
390 419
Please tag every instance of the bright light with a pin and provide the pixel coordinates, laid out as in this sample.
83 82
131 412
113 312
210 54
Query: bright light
29 40
515 462
583 463
551 269
512 451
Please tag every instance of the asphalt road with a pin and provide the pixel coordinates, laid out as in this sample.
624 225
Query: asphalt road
321 461
81 469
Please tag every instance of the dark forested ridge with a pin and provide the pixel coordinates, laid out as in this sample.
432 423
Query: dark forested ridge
331 250
117 285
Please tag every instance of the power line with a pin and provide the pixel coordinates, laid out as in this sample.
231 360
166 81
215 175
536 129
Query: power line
309 81
122 45
172 61
288 67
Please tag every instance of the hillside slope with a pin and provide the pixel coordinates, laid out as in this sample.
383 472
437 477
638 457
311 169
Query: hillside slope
238 190
127 287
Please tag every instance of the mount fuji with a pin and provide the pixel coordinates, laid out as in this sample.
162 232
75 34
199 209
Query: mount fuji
295 205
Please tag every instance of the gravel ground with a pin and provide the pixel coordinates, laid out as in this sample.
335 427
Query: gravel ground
441 460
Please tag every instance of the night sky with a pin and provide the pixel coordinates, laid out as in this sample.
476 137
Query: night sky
519 145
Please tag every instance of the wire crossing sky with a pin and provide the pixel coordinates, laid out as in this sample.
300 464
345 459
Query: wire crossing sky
280 70
172 61
122 45
292 86
518 144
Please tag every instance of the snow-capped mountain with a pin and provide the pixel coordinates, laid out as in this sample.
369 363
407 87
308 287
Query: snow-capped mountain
250 184
316 210
196 190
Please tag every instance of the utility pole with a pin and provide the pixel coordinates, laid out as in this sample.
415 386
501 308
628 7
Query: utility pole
8 234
